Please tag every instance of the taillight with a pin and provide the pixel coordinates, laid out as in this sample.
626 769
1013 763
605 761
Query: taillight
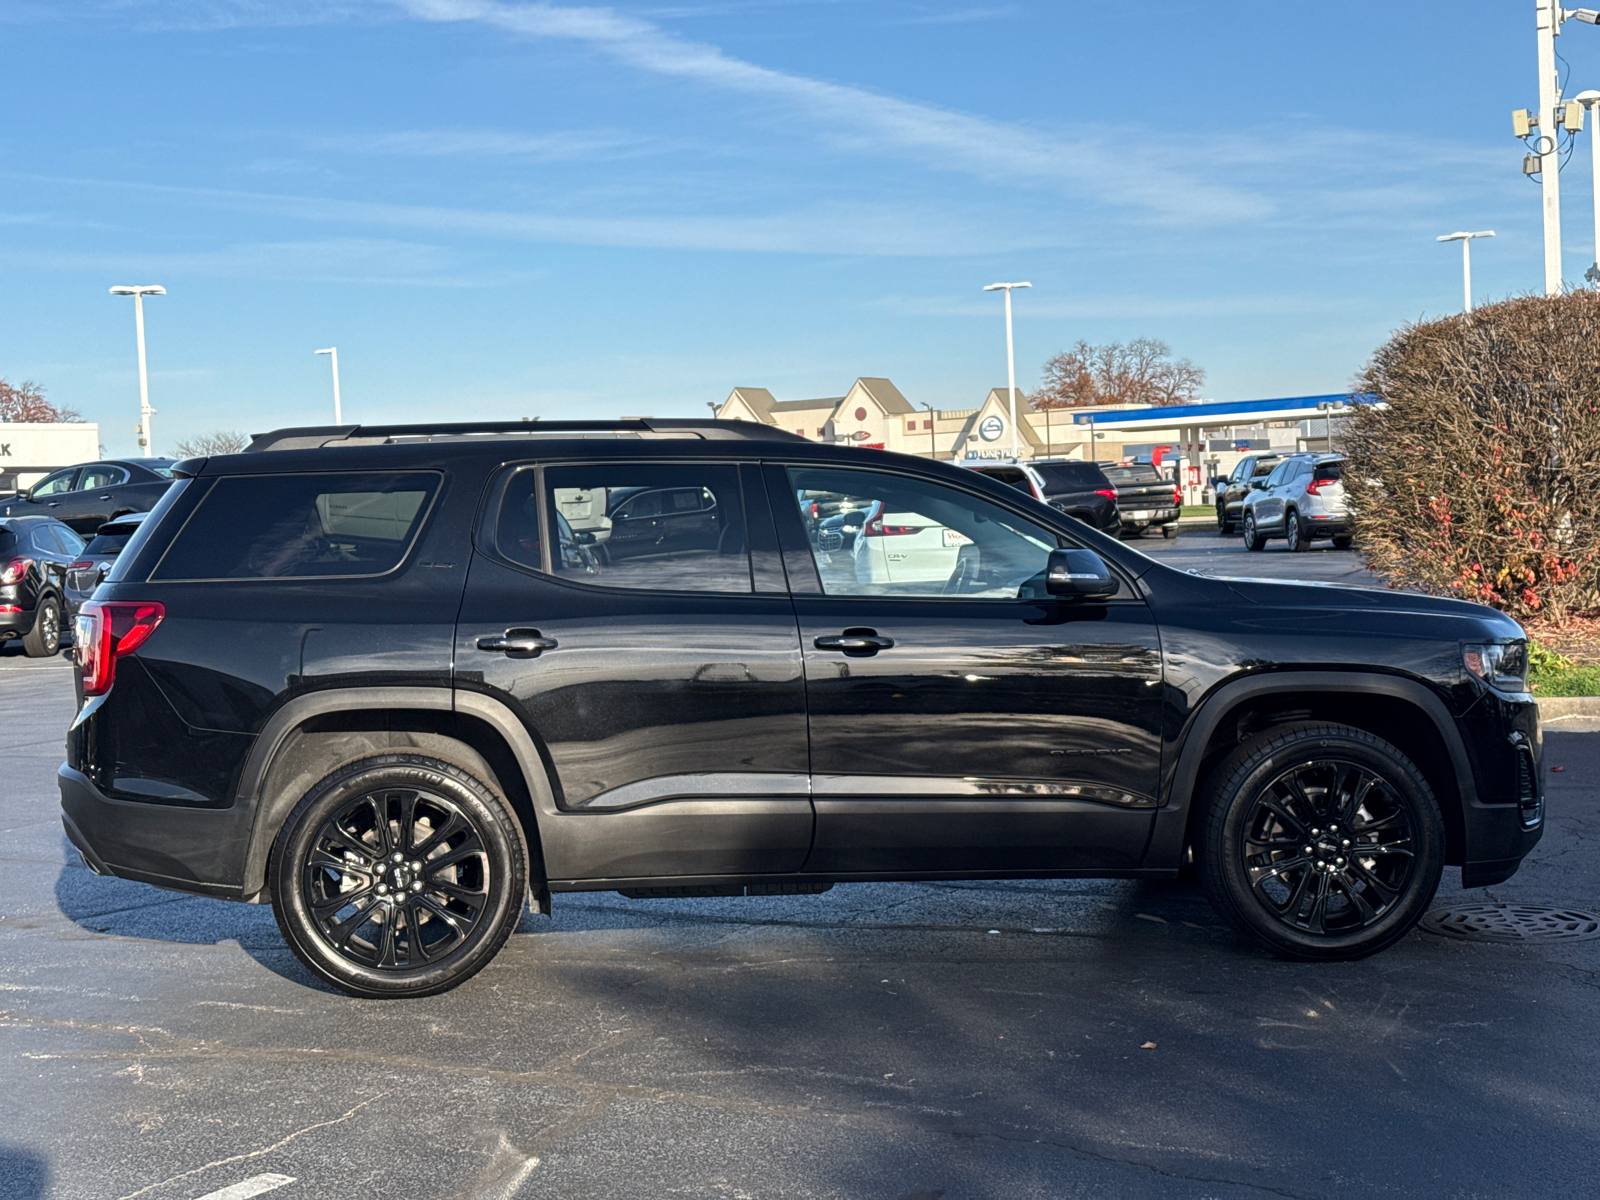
1108 493
1177 496
81 566
106 630
16 570
876 528
1314 488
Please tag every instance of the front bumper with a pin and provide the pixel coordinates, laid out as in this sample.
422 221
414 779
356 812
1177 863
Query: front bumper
1506 819
198 850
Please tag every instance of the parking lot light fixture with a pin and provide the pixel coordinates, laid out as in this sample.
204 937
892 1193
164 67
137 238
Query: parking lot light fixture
1466 261
333 353
139 292
1011 359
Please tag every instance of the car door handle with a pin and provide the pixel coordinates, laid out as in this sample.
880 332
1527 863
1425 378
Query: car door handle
518 641
854 641
107 496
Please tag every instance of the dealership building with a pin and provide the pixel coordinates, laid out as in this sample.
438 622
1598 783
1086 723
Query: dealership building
29 452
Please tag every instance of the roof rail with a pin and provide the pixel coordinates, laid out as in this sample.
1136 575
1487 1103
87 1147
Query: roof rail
311 437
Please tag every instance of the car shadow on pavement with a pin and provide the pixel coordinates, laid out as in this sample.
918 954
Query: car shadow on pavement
24 1175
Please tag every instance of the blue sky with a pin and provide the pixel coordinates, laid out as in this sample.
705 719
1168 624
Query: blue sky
505 210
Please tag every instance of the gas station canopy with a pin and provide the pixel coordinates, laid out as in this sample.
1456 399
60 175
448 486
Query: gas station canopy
1236 412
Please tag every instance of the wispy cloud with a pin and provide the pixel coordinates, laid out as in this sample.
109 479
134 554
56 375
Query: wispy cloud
840 228
559 146
866 122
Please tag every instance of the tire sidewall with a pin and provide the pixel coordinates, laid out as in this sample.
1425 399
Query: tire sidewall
36 645
501 835
1239 780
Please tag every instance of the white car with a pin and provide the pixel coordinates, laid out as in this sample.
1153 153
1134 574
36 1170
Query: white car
905 548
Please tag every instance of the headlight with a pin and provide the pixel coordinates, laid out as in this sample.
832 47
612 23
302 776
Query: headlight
1502 665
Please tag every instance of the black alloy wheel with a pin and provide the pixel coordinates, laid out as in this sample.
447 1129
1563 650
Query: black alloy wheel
1299 540
44 639
1252 540
1320 841
1223 527
398 875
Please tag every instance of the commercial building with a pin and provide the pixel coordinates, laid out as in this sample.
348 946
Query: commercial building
1199 441
29 452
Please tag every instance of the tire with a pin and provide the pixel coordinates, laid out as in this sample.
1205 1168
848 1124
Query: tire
1253 541
1343 541
1169 531
1223 527
44 639
1271 794
335 844
1299 537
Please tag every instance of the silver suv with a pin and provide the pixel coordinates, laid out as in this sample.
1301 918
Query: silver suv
1302 500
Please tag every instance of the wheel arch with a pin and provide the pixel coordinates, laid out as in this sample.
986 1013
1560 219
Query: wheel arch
1403 712
314 735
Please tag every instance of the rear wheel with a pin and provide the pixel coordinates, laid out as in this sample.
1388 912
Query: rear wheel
1343 542
1320 841
399 875
44 639
1295 530
1253 540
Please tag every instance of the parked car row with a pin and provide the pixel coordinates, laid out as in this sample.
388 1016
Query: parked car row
47 572
1126 498
87 496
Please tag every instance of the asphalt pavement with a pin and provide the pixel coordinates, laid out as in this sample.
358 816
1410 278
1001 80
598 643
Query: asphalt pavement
905 1041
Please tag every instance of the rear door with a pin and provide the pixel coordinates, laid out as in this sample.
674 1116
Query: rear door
661 672
970 723
89 505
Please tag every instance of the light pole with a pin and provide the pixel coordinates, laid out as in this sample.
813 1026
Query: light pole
139 292
1011 359
333 353
1466 259
1590 100
1549 120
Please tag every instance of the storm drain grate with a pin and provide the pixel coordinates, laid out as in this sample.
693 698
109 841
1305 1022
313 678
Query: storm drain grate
1513 923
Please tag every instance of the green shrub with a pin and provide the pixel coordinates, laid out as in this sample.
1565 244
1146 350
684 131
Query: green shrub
1478 476
1552 674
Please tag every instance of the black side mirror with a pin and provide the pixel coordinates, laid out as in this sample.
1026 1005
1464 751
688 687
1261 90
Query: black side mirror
1078 574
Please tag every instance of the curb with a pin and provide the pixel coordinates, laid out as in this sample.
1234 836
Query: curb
1555 708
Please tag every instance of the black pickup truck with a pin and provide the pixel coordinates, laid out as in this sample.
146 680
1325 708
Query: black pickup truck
1146 498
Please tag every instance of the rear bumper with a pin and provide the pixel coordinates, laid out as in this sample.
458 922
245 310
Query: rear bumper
16 624
1156 515
198 850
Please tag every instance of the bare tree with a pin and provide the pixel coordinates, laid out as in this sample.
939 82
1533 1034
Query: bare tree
218 441
1141 371
25 402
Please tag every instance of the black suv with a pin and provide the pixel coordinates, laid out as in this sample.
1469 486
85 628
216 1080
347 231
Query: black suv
1250 472
1079 489
375 677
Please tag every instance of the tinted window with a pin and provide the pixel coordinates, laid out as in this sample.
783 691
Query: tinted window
71 543
108 543
925 539
164 472
43 539
1243 470
1136 473
1265 466
1071 476
54 485
1330 470
1277 475
8 543
1011 475
675 527
101 476
300 526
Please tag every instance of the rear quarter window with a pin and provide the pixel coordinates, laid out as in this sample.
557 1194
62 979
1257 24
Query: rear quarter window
310 526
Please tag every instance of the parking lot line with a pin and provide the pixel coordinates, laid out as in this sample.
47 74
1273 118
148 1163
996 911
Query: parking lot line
256 1185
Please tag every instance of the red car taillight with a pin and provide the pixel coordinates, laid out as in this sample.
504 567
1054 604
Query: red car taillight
1108 493
16 570
81 566
106 630
1177 497
1314 488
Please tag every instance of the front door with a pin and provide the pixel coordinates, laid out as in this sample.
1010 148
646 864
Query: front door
666 690
963 721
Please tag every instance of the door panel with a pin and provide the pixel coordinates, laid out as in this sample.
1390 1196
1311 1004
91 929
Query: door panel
673 721
997 730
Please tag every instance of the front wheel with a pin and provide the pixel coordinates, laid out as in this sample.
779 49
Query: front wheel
1253 539
398 876
1320 841
1224 528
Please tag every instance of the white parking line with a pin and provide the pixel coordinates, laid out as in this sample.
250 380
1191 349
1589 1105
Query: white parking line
254 1186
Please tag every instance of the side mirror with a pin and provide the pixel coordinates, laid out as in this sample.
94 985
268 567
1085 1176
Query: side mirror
1078 574
584 537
